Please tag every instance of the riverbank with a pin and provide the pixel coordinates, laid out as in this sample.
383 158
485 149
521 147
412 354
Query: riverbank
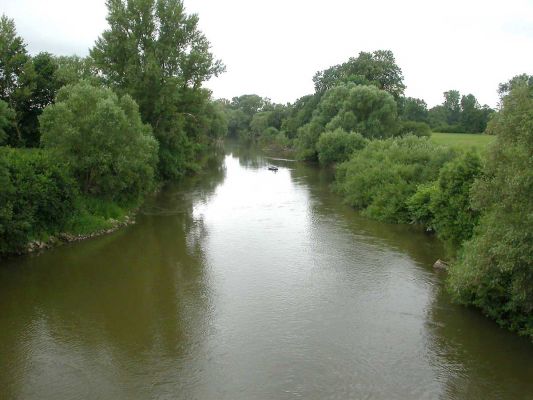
111 225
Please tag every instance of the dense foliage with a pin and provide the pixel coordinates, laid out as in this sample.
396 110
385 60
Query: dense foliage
495 270
110 151
413 128
458 113
154 52
364 109
338 145
7 121
381 178
444 206
37 196
377 69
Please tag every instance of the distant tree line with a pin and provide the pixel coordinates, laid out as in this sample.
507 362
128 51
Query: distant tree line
84 139
364 95
461 114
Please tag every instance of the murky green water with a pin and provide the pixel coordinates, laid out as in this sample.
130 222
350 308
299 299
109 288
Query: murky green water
249 284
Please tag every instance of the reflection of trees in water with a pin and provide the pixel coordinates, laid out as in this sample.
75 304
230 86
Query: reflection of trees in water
249 156
422 248
474 358
137 296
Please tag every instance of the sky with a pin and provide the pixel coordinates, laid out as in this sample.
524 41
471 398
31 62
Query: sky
274 47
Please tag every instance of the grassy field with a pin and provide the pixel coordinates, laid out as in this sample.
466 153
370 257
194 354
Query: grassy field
462 140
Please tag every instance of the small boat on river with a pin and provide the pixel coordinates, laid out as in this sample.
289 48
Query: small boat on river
272 168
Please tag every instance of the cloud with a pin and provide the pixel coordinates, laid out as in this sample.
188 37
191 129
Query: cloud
273 48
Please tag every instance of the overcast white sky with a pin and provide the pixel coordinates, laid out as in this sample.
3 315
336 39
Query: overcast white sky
274 47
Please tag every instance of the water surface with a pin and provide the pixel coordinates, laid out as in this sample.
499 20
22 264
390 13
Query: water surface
245 283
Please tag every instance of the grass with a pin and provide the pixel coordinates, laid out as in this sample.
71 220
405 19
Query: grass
95 215
462 140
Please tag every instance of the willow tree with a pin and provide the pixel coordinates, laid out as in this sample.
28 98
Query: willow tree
378 69
154 51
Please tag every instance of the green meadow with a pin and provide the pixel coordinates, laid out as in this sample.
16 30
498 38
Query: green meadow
462 140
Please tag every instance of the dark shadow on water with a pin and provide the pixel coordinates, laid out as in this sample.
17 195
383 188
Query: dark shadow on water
130 298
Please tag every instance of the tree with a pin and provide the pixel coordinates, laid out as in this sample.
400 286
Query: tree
353 108
519 80
337 146
259 123
7 121
378 68
250 104
110 151
44 89
382 177
495 270
459 114
454 219
17 77
72 69
154 52
437 118
452 106
13 58
412 109
474 118
299 114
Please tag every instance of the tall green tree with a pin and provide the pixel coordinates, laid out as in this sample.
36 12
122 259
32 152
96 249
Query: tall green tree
154 51
17 77
44 89
13 58
459 114
412 109
473 117
72 69
378 68
299 114
353 108
452 106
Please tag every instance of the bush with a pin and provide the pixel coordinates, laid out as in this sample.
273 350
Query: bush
413 128
338 145
357 108
449 128
419 205
381 178
454 218
444 206
111 152
495 269
37 196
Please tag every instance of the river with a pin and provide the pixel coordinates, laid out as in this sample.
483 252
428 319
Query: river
244 283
